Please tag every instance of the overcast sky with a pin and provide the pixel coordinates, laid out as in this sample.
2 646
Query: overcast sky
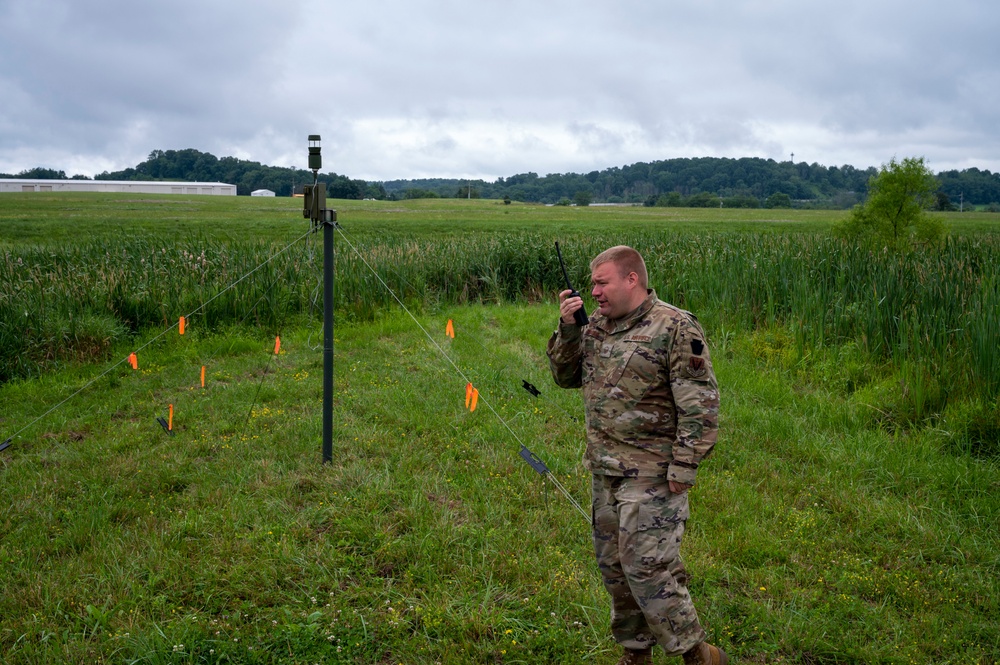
411 88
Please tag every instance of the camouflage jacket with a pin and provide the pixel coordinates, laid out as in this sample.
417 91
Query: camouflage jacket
651 398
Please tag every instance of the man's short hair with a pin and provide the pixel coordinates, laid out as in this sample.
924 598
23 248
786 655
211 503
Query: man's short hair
626 260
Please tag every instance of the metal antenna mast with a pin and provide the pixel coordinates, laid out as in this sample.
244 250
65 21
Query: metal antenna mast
315 210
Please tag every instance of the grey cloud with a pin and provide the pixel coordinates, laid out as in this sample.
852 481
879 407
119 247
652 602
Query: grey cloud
401 89
594 137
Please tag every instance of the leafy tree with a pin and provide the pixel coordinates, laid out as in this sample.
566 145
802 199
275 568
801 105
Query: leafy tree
583 198
42 174
971 185
894 214
845 200
943 201
809 185
778 200
671 200
703 200
417 193
342 187
193 165
375 190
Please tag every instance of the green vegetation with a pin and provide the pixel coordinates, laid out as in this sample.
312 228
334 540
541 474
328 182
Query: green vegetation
63 218
935 309
816 537
895 212
849 514
194 165
742 183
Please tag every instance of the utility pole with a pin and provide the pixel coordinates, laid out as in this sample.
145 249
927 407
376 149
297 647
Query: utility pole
315 210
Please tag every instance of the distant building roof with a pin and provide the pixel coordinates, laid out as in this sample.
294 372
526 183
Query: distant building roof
140 186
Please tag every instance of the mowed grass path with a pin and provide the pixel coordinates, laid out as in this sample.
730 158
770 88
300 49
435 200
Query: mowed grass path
815 536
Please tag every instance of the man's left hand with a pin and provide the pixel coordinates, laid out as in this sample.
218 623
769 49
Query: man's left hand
678 488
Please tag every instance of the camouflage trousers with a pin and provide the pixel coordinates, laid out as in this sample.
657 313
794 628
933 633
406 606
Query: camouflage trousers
638 525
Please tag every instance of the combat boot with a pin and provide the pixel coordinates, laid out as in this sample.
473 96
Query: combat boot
706 654
637 657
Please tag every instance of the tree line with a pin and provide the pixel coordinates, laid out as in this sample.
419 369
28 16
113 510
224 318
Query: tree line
702 181
192 165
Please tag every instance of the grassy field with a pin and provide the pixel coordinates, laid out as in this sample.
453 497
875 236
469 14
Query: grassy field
935 314
835 524
56 218
816 537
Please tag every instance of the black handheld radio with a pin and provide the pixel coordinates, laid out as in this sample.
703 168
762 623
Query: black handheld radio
580 315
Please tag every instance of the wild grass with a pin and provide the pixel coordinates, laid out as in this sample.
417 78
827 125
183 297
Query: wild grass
932 313
53 219
849 514
814 538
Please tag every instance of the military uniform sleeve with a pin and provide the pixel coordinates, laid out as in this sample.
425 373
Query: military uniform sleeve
696 396
565 351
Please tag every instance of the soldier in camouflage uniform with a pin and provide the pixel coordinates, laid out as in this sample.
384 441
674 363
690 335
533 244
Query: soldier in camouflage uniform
652 405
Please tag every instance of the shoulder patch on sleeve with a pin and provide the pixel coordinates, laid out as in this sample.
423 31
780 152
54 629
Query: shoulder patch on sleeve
696 367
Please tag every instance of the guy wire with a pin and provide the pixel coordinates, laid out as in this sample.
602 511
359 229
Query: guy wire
278 331
506 367
550 475
154 339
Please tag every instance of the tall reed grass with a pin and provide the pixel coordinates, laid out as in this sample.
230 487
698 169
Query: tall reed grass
935 311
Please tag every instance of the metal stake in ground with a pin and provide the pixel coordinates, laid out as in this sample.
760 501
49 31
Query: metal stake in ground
315 210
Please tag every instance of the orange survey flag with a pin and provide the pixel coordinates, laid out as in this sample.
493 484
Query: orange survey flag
170 419
202 376
277 345
471 397
133 361
182 325
449 330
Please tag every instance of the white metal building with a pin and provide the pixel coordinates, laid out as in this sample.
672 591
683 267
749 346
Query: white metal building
262 192
128 186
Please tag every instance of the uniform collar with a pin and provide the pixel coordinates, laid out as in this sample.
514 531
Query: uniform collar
612 326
